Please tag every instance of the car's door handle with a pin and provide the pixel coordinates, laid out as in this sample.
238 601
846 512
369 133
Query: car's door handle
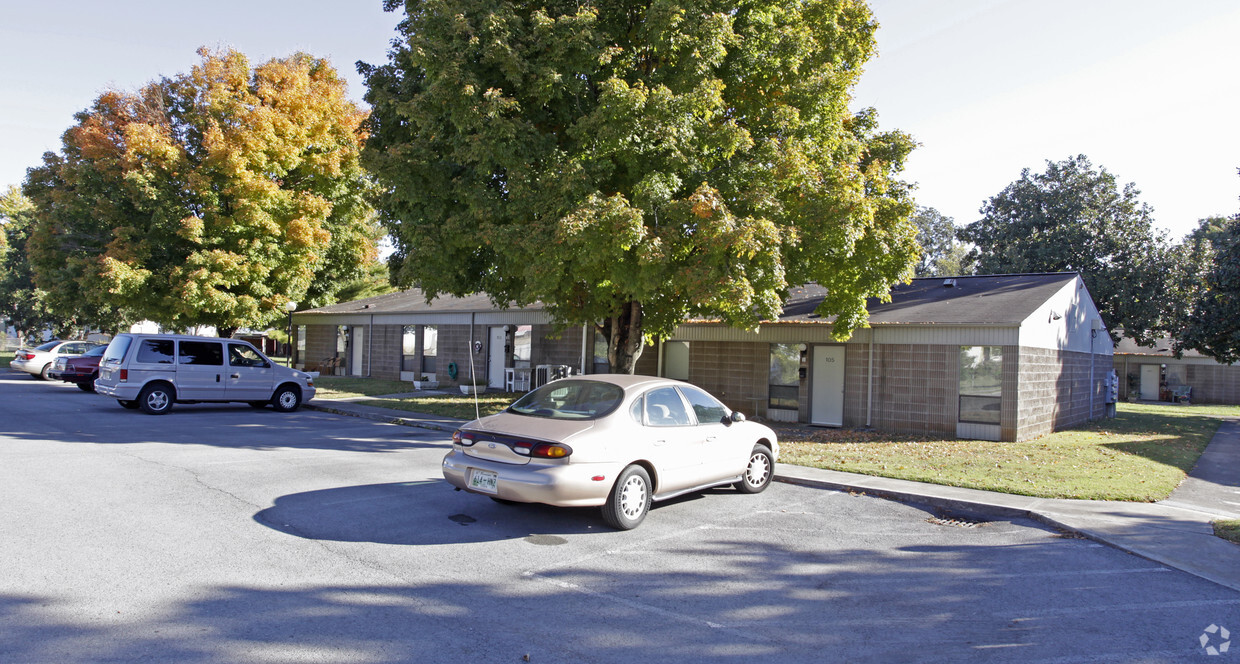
660 442
236 375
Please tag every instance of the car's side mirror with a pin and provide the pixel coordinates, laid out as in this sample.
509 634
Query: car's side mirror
736 416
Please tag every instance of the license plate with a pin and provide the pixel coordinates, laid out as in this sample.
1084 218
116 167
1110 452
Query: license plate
483 480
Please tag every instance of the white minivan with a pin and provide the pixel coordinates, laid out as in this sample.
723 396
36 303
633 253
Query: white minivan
154 371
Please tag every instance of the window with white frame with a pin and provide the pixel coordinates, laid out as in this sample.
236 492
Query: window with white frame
981 384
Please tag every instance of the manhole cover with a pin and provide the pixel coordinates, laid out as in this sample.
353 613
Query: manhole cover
957 520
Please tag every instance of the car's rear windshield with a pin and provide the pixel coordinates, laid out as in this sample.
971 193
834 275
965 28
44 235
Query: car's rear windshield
570 400
117 349
97 351
47 346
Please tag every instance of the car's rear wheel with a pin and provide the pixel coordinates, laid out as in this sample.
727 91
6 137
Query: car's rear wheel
759 470
286 399
43 372
629 500
125 403
156 399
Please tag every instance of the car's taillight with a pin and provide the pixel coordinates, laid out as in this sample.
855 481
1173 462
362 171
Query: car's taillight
124 375
544 450
462 439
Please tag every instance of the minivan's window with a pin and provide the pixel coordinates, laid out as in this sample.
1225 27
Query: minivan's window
570 400
155 351
204 353
117 349
240 355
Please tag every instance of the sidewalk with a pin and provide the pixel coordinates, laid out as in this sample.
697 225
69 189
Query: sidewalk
1175 532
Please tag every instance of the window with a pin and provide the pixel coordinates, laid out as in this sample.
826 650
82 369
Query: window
707 409
981 384
156 351
409 348
243 356
601 365
202 353
522 342
570 400
676 360
664 408
430 348
785 380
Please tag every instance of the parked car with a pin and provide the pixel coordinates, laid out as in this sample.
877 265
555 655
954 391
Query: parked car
154 371
615 441
38 361
81 370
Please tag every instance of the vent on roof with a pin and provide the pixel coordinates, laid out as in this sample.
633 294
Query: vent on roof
949 283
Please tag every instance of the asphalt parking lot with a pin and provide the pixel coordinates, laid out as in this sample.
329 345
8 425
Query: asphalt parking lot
221 533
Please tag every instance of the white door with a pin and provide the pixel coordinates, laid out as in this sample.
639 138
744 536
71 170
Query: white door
355 359
496 354
1149 382
827 386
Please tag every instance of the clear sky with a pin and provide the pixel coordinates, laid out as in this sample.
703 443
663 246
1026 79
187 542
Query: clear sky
1147 88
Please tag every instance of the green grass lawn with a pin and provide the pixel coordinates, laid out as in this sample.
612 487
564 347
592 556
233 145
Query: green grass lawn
1228 530
343 387
450 405
1141 455
6 356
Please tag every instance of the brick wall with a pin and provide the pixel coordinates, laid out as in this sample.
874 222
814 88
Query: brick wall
320 345
1054 391
1214 383
914 387
736 373
385 351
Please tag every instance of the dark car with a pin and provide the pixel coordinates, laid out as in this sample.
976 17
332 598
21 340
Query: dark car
81 370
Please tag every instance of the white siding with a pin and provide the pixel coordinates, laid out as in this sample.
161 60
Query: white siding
1066 322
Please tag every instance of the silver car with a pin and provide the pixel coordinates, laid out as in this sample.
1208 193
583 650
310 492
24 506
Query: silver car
38 361
615 441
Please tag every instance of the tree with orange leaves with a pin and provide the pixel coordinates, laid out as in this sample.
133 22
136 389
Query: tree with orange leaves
210 198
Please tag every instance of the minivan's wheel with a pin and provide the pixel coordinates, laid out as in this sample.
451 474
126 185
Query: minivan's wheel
286 399
127 404
155 399
629 501
758 472
43 372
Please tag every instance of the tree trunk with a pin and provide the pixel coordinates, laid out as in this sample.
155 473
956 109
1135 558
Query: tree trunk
624 338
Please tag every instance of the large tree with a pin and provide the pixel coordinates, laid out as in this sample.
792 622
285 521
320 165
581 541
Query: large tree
1075 218
21 302
1212 324
942 255
631 164
209 198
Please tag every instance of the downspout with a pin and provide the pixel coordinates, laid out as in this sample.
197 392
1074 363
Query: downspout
1092 384
659 367
583 351
370 349
869 397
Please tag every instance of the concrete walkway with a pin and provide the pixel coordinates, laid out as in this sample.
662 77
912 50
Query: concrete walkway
1175 532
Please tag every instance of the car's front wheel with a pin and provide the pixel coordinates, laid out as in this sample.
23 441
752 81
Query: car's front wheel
629 500
286 399
87 386
156 399
759 470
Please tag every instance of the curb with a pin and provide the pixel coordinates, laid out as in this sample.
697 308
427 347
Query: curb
385 418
